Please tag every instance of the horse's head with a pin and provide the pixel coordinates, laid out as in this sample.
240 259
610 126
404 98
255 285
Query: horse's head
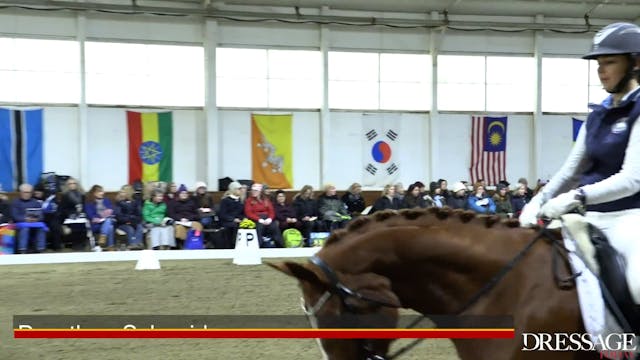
332 300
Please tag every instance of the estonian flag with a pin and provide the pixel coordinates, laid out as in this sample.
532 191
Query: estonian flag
20 147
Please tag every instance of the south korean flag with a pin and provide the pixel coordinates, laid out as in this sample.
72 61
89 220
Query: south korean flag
380 141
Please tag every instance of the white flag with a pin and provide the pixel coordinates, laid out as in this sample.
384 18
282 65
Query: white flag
380 143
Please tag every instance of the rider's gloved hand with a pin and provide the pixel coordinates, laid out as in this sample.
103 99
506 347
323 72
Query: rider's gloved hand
561 204
529 215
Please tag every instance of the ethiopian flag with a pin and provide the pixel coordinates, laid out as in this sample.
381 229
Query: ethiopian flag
150 146
271 150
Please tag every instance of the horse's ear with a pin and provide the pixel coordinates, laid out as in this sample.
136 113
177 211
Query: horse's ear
296 270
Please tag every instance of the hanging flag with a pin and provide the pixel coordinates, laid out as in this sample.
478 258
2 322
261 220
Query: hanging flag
380 135
21 153
577 124
488 149
150 146
271 150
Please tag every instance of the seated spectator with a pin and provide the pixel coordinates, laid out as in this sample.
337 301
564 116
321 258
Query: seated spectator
353 199
412 198
307 212
458 198
72 203
204 203
331 209
129 218
259 209
442 184
154 214
171 190
399 191
436 193
28 220
5 208
480 202
528 192
51 211
502 199
388 200
285 213
231 213
100 212
183 209
519 199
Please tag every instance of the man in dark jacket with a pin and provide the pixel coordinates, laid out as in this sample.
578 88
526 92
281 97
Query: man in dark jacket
24 211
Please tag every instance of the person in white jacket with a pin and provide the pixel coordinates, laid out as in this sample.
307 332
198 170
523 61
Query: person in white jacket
602 171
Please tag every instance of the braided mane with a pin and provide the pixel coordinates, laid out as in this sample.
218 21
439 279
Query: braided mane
362 223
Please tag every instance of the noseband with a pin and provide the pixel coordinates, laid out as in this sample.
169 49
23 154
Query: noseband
336 287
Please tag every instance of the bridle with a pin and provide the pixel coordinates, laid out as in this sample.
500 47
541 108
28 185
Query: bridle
336 287
365 346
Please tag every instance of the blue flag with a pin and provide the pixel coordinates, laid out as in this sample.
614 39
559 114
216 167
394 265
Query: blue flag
20 147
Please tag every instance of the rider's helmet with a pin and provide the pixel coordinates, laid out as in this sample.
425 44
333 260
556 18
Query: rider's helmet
617 39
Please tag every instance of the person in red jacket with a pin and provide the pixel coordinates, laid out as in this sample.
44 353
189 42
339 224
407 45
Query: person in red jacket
259 209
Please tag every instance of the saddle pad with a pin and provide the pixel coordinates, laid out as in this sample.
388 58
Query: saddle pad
598 320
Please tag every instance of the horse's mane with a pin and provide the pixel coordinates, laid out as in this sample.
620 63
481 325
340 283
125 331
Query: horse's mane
362 223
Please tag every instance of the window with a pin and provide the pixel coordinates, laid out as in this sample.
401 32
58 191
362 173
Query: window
511 83
564 85
379 81
461 83
268 78
596 92
141 74
39 71
486 83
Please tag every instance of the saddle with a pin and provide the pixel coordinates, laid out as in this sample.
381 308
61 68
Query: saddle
610 266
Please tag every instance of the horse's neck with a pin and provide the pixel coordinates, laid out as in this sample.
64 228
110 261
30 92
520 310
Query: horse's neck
434 264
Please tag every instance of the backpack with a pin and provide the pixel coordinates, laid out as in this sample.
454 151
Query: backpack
292 238
194 240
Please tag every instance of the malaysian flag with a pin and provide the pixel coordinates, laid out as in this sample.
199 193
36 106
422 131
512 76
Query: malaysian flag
488 149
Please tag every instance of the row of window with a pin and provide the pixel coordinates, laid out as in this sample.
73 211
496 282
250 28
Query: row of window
48 71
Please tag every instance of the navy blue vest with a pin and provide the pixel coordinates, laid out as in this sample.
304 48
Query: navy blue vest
608 131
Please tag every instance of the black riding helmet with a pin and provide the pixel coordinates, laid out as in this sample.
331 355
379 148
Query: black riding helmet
617 39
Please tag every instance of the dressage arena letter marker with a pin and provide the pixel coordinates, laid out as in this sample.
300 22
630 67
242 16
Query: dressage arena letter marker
247 251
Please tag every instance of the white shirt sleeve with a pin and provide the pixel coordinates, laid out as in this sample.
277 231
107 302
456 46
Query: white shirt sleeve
568 175
624 183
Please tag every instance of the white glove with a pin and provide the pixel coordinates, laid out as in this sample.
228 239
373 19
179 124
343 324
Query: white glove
560 205
529 215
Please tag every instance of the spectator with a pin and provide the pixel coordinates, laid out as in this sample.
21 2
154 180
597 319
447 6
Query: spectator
331 209
528 192
154 214
480 202
412 198
72 203
231 213
502 199
100 212
204 203
353 199
5 208
28 220
286 213
388 200
519 199
458 198
259 209
307 212
128 215
184 211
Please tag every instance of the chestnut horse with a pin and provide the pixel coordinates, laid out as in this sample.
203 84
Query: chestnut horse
440 261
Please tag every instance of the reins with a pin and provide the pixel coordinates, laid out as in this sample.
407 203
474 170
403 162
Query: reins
337 287
562 283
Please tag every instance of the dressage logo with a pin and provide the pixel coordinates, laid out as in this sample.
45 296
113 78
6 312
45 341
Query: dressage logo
615 345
